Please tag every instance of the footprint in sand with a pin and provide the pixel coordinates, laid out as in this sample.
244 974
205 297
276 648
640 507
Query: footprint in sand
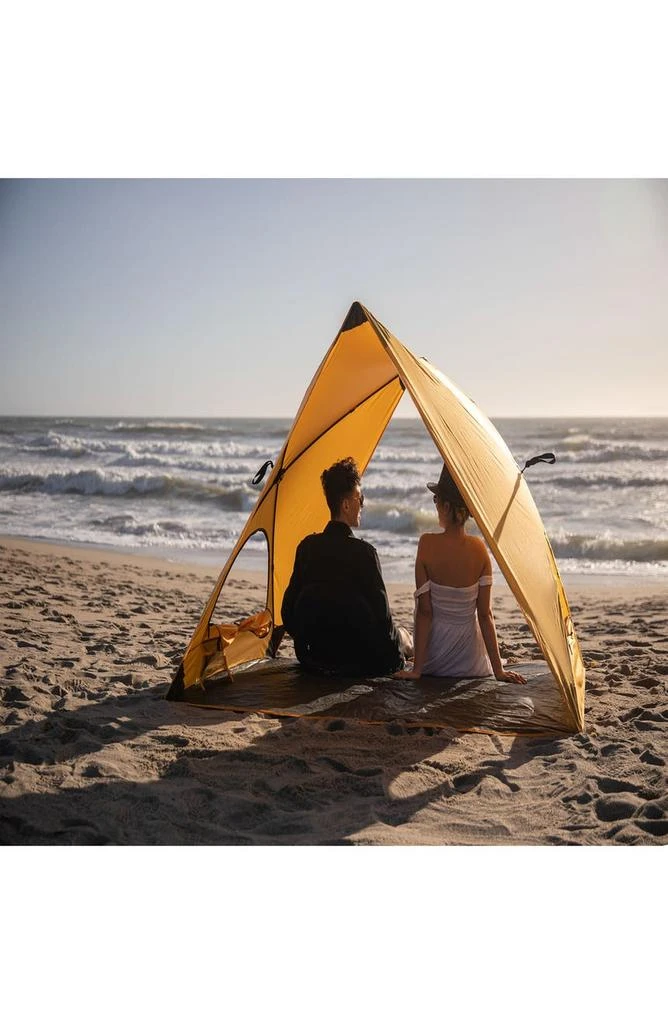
27 643
126 677
173 741
101 648
645 714
648 757
468 781
647 682
655 828
612 748
656 808
614 808
607 784
654 724
14 695
147 659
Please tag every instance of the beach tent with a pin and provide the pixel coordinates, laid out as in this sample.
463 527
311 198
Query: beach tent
345 412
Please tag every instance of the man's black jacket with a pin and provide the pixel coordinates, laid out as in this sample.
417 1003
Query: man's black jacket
336 607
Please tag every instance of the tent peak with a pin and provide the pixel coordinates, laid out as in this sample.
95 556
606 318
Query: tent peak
356 317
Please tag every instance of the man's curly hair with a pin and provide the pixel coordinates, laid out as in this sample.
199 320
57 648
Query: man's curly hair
338 481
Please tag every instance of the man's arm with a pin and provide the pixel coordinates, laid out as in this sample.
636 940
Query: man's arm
388 642
375 588
293 590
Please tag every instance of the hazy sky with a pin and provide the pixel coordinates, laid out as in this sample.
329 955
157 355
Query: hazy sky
220 297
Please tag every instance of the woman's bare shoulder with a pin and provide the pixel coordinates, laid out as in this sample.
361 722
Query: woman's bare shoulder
427 539
480 548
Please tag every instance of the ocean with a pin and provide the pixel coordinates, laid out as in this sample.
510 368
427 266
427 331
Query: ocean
181 488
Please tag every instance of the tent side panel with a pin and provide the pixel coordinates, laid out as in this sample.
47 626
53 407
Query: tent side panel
344 412
301 508
199 649
355 368
498 496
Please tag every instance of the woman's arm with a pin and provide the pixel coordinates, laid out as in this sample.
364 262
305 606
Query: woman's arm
488 629
423 617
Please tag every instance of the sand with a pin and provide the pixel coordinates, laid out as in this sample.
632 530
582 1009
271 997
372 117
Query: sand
92 753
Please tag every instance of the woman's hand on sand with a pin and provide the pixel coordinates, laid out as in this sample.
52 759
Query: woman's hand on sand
511 677
407 673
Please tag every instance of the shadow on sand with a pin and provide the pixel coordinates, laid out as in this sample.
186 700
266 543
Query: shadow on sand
298 783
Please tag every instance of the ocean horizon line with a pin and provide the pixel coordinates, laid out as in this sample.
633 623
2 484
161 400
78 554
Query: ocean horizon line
281 416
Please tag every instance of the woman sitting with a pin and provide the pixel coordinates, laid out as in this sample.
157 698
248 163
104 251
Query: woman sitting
454 626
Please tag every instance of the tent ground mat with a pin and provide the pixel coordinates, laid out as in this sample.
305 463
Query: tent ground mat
280 687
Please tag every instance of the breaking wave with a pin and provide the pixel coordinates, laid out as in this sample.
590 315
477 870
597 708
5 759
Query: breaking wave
605 452
155 426
137 460
608 549
128 526
95 482
387 516
410 457
54 444
600 480
398 490
58 445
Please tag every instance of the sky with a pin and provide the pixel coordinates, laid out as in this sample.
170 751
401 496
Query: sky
201 297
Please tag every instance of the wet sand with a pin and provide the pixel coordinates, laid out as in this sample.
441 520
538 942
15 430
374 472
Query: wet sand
91 753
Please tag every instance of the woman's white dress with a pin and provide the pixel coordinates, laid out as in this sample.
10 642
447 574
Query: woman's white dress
456 647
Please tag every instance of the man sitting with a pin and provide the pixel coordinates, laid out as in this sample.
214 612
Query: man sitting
336 607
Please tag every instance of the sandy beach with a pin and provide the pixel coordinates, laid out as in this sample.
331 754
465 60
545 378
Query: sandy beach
92 753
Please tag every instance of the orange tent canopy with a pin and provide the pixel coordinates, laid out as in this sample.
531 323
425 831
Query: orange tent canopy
345 411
